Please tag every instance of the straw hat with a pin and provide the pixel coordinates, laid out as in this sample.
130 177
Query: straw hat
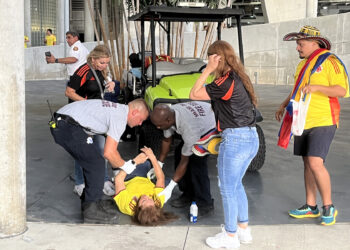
310 33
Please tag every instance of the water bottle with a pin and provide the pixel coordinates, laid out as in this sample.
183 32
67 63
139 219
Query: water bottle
193 212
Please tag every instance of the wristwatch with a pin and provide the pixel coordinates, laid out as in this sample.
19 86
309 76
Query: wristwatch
56 60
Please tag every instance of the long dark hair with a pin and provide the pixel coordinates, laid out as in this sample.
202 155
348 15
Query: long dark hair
229 61
153 215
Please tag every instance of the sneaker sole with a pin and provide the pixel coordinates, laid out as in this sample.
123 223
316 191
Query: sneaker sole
333 222
304 216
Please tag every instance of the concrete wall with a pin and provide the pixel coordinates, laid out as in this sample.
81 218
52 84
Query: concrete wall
268 59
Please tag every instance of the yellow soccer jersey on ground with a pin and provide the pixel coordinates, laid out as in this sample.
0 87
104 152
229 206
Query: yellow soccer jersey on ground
50 40
134 188
324 110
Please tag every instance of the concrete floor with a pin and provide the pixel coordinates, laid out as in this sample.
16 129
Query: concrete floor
276 188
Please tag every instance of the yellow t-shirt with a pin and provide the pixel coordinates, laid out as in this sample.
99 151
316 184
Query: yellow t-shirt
50 40
324 110
25 39
134 188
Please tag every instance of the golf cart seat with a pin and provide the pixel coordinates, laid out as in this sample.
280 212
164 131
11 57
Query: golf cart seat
168 68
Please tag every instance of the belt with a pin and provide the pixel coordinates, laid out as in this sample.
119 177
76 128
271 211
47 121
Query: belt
66 118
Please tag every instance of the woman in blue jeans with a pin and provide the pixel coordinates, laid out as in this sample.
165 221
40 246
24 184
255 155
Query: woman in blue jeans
233 101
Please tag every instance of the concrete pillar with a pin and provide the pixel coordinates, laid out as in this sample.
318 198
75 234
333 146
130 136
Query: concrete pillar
311 8
61 32
12 125
27 22
280 11
89 27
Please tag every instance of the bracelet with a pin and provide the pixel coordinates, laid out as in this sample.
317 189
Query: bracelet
56 60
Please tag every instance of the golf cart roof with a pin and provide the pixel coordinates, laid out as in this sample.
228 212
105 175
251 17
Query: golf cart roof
185 14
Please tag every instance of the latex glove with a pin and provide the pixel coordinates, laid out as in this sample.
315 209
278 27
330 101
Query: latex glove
151 174
128 167
168 190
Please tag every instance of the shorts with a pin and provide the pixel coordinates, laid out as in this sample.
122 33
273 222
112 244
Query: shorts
314 141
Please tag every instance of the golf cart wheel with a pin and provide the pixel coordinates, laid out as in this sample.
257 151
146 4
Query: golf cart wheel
151 137
259 159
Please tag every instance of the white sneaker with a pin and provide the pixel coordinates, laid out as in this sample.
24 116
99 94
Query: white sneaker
244 235
223 240
108 188
78 189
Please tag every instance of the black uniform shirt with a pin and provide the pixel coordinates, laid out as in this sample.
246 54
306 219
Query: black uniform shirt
85 84
231 102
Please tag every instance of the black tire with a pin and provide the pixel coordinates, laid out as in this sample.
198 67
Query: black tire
151 137
259 159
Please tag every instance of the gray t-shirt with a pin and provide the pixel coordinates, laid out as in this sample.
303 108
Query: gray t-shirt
193 120
100 116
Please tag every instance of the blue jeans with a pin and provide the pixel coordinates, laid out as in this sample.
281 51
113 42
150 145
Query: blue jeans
141 170
237 149
78 171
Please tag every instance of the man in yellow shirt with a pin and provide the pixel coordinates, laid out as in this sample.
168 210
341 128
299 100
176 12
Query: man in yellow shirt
50 39
324 76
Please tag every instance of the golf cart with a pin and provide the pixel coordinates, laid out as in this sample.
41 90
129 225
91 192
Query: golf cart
170 82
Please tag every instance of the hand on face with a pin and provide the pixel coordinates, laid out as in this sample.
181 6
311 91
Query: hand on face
213 62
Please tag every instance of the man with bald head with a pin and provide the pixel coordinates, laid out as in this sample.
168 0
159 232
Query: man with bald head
191 121
73 128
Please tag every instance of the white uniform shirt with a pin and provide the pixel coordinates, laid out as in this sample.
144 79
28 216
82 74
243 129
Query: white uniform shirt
192 120
99 116
80 52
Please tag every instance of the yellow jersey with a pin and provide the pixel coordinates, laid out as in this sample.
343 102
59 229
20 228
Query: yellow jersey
26 39
324 110
50 40
134 189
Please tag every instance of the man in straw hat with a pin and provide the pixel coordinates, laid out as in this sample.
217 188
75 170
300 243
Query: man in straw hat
323 75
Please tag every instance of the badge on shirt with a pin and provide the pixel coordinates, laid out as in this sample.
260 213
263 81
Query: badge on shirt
319 69
75 48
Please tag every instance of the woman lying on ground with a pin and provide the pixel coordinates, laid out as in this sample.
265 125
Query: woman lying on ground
139 197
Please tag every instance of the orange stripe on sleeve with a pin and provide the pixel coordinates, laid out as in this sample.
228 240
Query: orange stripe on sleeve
83 80
229 92
335 65
222 79
83 70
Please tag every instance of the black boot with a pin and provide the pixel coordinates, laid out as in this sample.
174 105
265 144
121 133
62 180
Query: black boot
94 213
182 201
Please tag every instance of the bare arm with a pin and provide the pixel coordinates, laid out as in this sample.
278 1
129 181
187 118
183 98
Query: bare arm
71 94
64 60
181 168
157 169
119 182
166 142
279 113
331 91
198 91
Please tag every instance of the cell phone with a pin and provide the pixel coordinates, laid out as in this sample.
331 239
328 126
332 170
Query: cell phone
48 54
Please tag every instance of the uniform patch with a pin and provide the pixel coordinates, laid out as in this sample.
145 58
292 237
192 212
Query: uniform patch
89 140
75 48
319 69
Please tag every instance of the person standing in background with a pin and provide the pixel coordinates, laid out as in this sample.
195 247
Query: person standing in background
76 56
50 39
321 74
26 40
